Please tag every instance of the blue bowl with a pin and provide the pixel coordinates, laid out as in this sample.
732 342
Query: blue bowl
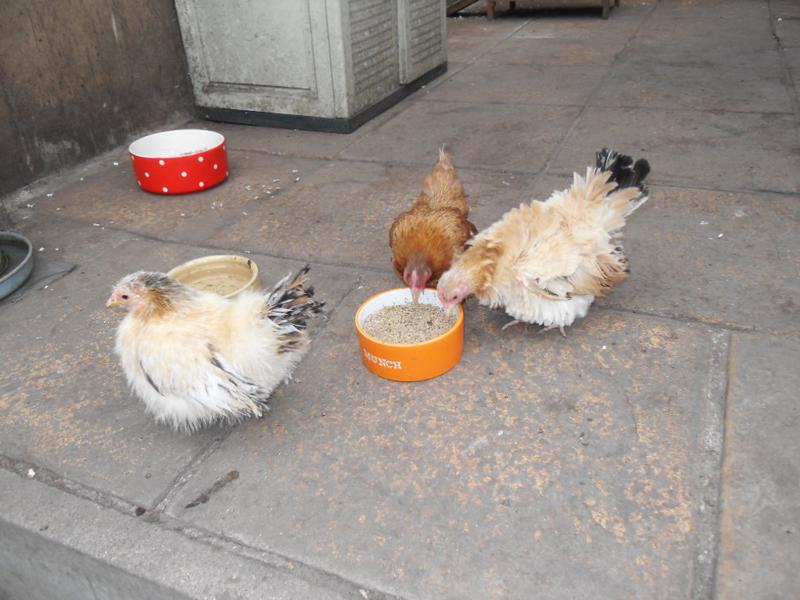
20 252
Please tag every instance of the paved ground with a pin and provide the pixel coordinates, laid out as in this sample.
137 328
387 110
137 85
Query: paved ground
651 454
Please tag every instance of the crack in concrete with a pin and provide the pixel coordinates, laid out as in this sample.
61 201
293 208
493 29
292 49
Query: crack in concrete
716 111
791 88
629 402
29 285
189 470
29 470
193 466
288 565
729 366
680 318
358 269
666 183
589 97
215 487
298 568
713 435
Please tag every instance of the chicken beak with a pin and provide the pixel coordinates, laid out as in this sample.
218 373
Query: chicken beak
415 294
449 308
112 302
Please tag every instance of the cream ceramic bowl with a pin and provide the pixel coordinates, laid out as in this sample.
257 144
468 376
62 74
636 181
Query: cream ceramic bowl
226 275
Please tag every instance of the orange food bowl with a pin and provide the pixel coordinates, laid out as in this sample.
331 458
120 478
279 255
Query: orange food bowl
408 362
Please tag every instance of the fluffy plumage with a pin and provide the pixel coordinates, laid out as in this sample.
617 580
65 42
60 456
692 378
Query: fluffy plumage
546 262
425 238
195 357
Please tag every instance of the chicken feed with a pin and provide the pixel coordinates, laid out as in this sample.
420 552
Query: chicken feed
408 323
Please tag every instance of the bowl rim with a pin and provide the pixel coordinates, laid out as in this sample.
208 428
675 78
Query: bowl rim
254 273
459 322
19 238
135 147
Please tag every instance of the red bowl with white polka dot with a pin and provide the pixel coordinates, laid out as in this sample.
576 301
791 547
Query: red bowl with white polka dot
179 161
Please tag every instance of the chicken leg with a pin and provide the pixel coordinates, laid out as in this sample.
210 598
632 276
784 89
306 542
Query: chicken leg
560 328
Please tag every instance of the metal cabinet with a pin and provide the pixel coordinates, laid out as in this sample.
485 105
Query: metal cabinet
312 64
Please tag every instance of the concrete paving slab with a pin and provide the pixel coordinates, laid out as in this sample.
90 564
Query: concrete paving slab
581 24
520 84
696 48
605 479
636 81
792 57
308 144
784 8
788 31
466 50
293 142
727 151
719 32
342 213
298 143
552 49
759 552
538 467
112 198
729 259
479 27
720 16
65 404
111 555
518 138
491 194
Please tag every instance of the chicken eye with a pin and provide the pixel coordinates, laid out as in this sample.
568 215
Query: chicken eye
124 296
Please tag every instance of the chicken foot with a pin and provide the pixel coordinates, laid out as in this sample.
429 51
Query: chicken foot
560 328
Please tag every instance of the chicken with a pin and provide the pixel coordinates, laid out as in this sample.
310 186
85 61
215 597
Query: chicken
195 357
546 262
425 238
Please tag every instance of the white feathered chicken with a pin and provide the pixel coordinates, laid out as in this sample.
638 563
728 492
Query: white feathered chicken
546 262
195 357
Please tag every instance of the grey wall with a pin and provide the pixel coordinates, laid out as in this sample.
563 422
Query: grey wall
78 77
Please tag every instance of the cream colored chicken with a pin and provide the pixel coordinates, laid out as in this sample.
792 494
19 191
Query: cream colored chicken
546 262
195 357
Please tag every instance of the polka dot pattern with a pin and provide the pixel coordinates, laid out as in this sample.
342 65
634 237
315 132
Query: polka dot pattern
183 173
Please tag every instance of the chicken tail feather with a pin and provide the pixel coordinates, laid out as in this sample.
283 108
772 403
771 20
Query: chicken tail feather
627 175
289 306
442 187
624 171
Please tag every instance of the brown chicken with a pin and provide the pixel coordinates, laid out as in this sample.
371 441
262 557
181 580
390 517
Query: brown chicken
425 239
